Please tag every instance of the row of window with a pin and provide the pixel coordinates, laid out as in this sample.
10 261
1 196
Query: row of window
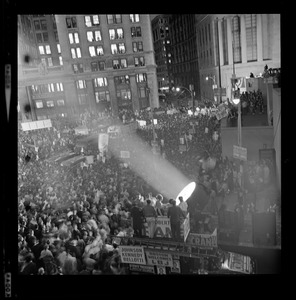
98 50
47 88
103 82
116 64
121 95
95 36
94 20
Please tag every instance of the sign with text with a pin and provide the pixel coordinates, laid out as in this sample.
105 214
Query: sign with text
202 240
159 259
176 267
103 142
163 227
240 152
124 154
141 268
161 270
132 254
26 126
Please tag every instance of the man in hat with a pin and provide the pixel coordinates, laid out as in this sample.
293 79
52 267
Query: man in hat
137 219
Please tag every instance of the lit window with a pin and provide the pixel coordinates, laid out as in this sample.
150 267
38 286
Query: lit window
141 77
73 52
101 81
123 63
119 33
92 51
113 48
41 50
110 19
96 20
90 36
78 52
61 102
61 60
98 36
50 103
59 48
134 18
121 47
80 84
100 50
50 87
87 21
102 96
76 37
49 60
115 64
47 49
112 34
39 104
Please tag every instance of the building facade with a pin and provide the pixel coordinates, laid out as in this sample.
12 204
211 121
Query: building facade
235 44
88 62
162 50
185 65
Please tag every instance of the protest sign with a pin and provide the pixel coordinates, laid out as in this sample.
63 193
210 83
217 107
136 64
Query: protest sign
176 266
208 241
185 228
132 254
161 270
163 227
103 142
141 268
159 258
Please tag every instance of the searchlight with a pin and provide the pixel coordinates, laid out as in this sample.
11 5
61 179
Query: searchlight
186 192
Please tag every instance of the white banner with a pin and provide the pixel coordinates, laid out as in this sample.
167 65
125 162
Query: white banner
159 259
103 142
204 240
132 254
26 126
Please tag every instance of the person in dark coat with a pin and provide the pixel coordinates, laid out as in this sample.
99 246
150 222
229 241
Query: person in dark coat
175 214
137 219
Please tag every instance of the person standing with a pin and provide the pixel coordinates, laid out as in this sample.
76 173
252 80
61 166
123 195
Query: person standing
175 214
183 205
137 219
150 215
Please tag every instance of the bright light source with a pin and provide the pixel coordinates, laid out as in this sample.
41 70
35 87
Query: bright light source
186 192
190 112
236 101
155 121
177 89
207 78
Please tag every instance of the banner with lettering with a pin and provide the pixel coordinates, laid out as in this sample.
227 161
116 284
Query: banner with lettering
141 268
163 227
185 228
159 258
204 240
132 254
103 142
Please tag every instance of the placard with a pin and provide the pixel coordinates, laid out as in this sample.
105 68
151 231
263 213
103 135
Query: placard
161 270
176 266
141 268
159 258
208 241
132 254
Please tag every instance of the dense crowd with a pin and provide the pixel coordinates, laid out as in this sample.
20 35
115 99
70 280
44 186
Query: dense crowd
68 217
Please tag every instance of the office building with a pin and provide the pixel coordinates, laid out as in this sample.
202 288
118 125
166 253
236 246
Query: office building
87 62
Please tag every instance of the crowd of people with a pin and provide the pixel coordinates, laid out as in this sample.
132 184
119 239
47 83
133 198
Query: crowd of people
71 219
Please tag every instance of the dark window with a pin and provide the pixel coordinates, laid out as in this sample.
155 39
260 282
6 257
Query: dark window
45 36
94 66
71 22
39 38
43 25
37 25
102 65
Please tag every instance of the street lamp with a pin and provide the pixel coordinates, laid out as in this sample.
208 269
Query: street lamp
190 91
214 82
237 102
